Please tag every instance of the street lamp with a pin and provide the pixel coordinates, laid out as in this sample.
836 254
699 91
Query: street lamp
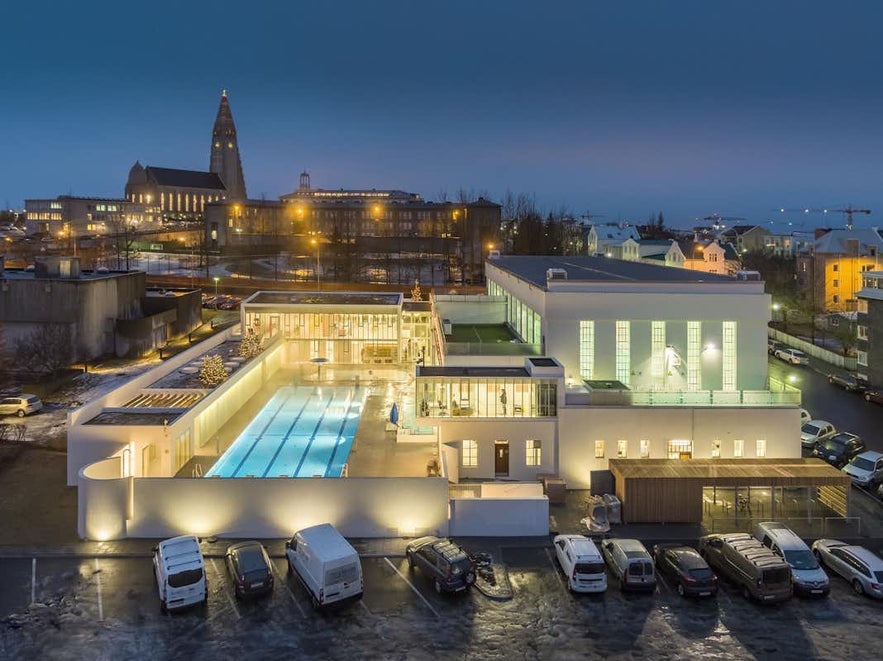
216 279
315 242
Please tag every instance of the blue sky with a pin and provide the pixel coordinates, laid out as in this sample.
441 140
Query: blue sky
620 108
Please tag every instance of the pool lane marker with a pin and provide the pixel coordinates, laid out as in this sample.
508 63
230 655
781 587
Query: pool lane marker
416 591
279 406
98 583
287 436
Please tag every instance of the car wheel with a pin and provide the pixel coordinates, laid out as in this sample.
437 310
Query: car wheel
410 561
746 592
162 606
681 589
858 587
20 413
438 585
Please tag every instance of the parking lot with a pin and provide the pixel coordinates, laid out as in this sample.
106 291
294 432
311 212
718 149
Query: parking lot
107 607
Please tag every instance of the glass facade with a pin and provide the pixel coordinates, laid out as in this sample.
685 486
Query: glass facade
729 355
694 351
657 354
486 397
587 349
524 320
623 352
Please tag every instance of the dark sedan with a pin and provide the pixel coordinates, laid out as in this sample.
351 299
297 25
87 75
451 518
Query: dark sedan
848 382
874 396
686 569
839 448
249 567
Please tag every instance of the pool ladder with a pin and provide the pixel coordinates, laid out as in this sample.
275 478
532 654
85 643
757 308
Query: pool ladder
197 470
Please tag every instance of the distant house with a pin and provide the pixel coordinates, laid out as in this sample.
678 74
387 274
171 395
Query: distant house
745 238
608 240
710 256
661 251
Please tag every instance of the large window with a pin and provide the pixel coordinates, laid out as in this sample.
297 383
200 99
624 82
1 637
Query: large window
587 349
622 449
729 355
657 352
469 454
716 449
739 448
645 448
694 351
623 349
761 448
534 455
599 449
680 449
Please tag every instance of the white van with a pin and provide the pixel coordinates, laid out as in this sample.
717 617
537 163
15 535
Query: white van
581 562
326 564
180 573
808 577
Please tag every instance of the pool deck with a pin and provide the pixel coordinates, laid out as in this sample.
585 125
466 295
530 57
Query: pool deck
375 452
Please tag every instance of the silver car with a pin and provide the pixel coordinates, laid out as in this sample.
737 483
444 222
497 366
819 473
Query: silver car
20 405
815 430
793 356
861 567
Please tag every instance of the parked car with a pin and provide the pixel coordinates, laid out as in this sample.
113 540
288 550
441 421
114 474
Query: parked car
179 570
874 396
444 562
809 579
630 563
849 382
839 449
581 563
326 564
793 356
815 430
684 566
866 469
250 569
772 346
804 416
20 405
861 567
760 573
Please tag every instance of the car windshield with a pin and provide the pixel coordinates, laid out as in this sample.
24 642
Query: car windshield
589 568
834 444
862 463
460 566
701 574
812 430
801 559
797 353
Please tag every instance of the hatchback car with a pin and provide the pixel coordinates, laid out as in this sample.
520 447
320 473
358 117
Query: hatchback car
861 567
250 569
772 346
793 356
815 430
20 405
839 449
865 469
449 567
849 382
687 569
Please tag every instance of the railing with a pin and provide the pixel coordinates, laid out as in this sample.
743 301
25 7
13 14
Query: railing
808 527
789 397
492 349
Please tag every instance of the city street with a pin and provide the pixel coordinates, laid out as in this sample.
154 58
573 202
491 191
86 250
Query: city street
108 608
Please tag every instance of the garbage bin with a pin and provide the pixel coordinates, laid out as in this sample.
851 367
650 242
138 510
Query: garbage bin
614 508
555 489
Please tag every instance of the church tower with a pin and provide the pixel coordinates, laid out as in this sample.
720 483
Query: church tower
225 161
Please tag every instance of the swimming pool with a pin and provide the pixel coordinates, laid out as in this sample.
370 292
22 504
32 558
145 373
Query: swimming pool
303 431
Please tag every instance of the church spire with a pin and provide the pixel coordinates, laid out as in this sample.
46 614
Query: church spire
225 159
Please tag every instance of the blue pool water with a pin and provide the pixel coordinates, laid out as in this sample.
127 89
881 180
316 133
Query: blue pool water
303 431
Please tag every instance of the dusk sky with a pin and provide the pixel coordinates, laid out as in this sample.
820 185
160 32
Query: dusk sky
620 108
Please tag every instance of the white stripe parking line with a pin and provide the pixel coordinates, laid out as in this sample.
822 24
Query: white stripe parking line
98 584
33 580
416 591
555 568
362 604
288 589
226 592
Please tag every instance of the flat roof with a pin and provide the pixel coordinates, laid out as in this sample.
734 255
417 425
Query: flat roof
532 268
322 298
731 470
457 370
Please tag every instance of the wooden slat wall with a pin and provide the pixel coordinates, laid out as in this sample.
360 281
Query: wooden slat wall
661 500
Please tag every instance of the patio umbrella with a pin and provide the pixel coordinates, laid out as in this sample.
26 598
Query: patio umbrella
394 414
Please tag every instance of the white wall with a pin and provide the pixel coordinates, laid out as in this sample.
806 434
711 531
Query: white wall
504 517
471 309
581 427
103 500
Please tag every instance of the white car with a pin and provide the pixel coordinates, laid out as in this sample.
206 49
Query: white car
804 417
581 563
815 430
865 469
20 405
861 567
793 356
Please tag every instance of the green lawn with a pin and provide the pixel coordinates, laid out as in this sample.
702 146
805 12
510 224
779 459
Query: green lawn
490 333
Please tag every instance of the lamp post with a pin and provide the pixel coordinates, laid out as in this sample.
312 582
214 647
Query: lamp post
216 279
315 242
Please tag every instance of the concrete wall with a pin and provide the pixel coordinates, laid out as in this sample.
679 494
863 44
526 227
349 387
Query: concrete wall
810 349
471 309
580 427
499 517
263 508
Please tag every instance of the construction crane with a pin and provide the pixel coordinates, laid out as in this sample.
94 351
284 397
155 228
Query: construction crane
588 216
717 220
849 210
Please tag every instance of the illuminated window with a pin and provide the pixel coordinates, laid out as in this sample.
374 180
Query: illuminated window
622 448
738 448
645 448
469 454
534 453
729 355
715 448
657 352
694 351
680 449
623 348
587 349
761 448
599 449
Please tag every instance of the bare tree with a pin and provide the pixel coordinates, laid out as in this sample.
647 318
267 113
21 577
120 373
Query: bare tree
46 350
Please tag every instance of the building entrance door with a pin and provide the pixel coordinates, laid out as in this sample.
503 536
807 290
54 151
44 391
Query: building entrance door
501 458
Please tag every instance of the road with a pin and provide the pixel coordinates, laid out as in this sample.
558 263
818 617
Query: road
57 608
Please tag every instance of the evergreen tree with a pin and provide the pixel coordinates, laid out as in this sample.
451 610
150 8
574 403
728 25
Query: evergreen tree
213 373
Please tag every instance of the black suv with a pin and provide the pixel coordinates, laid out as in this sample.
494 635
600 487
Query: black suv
839 448
849 382
447 564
